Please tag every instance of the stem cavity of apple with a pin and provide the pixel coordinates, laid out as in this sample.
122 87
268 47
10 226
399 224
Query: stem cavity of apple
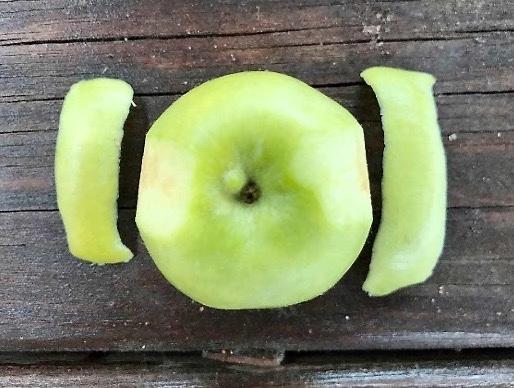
250 193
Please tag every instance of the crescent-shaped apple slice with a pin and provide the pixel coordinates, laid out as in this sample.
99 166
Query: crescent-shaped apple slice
87 167
411 233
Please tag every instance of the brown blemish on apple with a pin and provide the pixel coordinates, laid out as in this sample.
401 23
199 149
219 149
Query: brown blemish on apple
148 167
155 171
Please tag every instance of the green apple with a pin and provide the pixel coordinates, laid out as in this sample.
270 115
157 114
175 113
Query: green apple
411 233
87 167
254 192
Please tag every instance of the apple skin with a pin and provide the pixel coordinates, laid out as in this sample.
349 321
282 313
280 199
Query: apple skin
304 152
87 167
410 238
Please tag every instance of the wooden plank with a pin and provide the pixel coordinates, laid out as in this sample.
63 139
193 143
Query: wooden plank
46 46
458 113
156 66
478 160
48 301
311 371
25 21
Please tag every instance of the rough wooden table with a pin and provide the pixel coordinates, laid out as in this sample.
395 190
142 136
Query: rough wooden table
65 322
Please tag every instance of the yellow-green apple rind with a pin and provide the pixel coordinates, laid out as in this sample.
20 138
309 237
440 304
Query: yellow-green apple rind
87 168
411 234
306 153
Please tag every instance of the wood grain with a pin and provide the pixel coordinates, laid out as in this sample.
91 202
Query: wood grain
155 66
301 370
478 158
24 22
48 301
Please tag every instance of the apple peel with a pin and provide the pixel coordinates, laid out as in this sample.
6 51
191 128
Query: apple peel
87 168
410 238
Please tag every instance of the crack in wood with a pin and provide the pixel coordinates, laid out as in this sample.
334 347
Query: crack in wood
134 38
133 208
474 93
25 131
376 39
6 100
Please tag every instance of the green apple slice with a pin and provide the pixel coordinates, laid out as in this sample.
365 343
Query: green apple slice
87 167
411 233
254 192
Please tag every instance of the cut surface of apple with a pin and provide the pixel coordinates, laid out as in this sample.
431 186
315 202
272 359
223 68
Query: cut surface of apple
254 192
411 234
87 167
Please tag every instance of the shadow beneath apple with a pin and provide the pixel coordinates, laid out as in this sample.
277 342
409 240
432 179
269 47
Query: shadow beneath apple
132 147
367 112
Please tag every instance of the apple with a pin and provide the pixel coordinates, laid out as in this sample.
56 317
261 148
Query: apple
411 234
254 192
87 167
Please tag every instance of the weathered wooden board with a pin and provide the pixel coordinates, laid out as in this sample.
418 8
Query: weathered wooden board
480 63
50 302
484 143
305 370
60 20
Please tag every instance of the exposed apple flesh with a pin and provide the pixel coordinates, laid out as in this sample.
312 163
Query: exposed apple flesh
87 168
411 233
254 192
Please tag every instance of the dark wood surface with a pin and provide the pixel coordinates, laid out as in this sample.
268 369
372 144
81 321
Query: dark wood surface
312 370
48 301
